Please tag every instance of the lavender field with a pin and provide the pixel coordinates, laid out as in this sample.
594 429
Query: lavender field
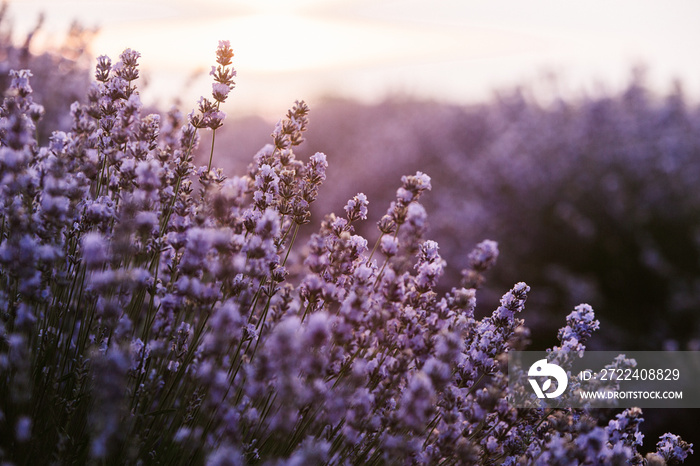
174 292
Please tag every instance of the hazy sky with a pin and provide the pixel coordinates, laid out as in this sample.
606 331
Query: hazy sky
458 50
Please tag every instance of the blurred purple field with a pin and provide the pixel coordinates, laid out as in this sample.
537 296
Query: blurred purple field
594 200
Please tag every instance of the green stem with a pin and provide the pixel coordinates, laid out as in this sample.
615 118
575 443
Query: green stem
166 218
374 249
98 189
294 237
213 138
211 154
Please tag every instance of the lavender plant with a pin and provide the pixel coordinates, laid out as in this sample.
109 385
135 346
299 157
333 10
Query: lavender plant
156 312
613 173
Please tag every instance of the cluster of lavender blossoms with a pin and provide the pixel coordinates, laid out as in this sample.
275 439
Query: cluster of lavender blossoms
156 312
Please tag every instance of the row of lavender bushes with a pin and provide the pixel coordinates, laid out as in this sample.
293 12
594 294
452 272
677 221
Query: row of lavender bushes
592 198
158 312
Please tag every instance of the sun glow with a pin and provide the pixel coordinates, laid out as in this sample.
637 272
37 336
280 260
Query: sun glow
298 52
267 42
455 50
291 42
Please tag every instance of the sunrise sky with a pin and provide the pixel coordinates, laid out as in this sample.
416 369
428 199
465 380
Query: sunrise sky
451 50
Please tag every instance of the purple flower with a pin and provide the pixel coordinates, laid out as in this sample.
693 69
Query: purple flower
95 250
20 82
356 208
673 449
580 324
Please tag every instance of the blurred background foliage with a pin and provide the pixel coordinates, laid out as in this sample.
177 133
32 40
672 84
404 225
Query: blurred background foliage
591 200
594 200
61 72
